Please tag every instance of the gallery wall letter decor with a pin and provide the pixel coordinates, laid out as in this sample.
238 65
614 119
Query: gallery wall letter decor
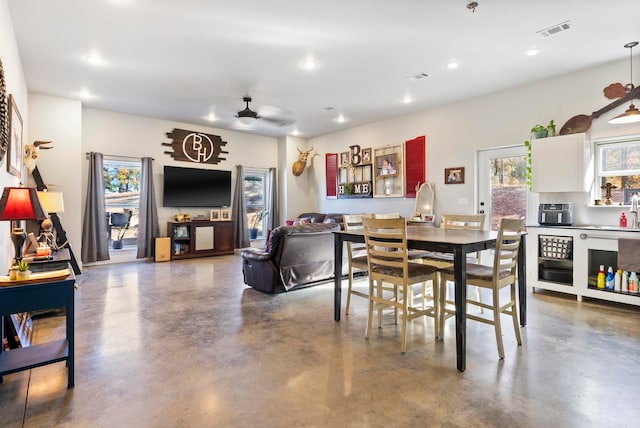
193 146
4 115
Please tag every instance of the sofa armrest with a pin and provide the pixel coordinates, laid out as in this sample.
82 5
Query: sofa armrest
255 254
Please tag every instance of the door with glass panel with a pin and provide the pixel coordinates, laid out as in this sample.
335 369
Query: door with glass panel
502 184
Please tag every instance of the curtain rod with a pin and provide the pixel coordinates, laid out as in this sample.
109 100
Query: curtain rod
116 156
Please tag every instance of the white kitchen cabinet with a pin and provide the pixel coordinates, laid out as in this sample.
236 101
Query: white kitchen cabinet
561 164
576 274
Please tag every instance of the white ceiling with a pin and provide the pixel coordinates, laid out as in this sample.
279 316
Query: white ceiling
181 60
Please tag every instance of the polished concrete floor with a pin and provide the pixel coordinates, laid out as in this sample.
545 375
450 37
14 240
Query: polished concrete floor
186 344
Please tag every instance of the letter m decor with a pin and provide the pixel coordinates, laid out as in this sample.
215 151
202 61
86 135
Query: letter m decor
198 147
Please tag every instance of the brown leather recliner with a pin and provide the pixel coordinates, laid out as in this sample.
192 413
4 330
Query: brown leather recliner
298 256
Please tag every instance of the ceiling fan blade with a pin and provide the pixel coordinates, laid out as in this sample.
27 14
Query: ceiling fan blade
277 121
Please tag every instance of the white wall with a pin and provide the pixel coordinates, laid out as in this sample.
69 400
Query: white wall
298 194
455 132
17 87
60 120
125 135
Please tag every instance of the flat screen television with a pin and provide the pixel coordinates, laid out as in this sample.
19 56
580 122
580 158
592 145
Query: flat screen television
196 187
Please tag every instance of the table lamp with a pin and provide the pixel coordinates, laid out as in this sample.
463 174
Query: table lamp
16 204
52 203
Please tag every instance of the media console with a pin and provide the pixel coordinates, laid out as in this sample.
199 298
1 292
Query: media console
191 239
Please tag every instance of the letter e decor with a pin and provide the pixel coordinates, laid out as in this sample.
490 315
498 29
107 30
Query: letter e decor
198 147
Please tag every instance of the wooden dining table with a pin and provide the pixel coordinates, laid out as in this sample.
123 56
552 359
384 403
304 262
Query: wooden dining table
455 241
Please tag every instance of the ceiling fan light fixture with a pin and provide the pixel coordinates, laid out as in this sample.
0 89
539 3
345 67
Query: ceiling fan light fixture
632 115
247 117
247 120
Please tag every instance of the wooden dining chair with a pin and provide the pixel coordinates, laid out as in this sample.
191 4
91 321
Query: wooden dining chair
386 215
460 222
442 260
356 255
426 292
386 244
493 278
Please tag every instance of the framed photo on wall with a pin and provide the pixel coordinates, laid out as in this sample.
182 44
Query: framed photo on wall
387 165
366 155
16 149
214 215
344 159
454 175
225 214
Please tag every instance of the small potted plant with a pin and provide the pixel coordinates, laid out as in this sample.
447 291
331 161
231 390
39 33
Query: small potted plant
255 222
23 270
538 131
541 131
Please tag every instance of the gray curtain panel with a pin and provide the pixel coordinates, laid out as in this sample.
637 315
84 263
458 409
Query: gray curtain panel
239 214
148 227
95 240
272 200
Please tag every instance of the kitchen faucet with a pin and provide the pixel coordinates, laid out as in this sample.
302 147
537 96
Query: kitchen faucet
634 211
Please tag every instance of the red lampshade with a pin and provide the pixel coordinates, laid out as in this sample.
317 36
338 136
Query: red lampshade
20 203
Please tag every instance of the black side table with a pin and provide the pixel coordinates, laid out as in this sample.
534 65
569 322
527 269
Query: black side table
37 296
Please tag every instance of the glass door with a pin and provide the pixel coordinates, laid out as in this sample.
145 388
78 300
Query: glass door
502 186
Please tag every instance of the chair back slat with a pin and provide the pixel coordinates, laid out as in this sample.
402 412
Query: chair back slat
507 246
386 242
353 222
463 221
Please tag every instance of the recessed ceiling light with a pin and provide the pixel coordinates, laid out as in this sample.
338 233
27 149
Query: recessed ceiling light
94 60
532 52
295 133
452 65
85 94
211 117
340 119
309 64
407 99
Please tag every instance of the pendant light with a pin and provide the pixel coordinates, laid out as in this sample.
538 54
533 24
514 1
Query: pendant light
632 115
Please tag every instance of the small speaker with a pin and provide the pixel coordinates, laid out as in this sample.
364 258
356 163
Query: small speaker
163 249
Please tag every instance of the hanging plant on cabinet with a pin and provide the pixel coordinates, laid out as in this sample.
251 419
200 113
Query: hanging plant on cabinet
538 131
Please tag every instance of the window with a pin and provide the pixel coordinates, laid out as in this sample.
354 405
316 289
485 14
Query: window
122 195
618 162
255 184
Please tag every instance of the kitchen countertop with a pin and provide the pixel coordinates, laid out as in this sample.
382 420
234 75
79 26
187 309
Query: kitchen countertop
587 227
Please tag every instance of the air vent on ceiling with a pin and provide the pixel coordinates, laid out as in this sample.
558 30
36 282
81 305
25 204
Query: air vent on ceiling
418 76
555 29
328 108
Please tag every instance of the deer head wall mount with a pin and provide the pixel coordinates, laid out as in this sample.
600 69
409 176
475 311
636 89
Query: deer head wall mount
303 159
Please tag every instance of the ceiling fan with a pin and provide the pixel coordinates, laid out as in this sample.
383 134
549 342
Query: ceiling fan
248 117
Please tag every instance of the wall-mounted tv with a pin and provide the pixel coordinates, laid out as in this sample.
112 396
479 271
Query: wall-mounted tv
196 187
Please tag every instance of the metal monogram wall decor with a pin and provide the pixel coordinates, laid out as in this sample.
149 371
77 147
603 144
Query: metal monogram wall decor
193 146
